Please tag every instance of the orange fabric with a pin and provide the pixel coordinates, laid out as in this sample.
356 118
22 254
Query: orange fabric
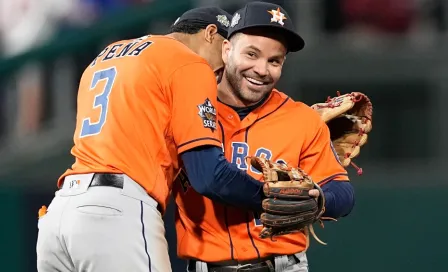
42 211
282 130
143 100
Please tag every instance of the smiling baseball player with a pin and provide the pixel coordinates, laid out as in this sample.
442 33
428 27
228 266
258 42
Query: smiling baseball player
257 120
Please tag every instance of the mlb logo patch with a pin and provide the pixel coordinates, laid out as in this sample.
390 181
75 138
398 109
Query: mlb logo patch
74 184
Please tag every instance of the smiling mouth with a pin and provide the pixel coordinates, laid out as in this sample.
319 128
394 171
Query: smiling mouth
255 82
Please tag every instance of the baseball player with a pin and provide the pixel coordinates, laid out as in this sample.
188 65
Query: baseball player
257 120
142 103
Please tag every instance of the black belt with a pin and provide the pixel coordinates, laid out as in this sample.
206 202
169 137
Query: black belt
110 180
266 265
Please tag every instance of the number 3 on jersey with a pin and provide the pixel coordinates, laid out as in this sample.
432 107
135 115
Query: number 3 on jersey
101 100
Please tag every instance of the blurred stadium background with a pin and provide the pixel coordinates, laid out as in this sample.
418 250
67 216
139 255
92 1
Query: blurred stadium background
393 50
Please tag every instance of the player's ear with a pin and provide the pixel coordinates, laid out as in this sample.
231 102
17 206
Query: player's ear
209 32
226 47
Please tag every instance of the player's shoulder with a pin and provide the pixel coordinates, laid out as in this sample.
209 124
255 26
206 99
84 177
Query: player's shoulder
163 50
306 110
161 56
308 114
175 52
297 109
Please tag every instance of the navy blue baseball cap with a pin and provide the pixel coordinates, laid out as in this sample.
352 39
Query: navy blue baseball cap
205 16
266 15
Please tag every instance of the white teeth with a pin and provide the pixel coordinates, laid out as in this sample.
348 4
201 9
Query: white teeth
254 81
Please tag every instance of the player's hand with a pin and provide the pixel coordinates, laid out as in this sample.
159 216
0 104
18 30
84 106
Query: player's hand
293 201
314 193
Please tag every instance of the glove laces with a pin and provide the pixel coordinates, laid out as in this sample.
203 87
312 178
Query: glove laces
332 103
310 230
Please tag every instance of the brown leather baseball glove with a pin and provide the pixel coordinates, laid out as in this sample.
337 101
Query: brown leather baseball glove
349 119
288 207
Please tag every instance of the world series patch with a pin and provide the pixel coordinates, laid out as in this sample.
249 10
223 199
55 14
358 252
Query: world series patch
208 114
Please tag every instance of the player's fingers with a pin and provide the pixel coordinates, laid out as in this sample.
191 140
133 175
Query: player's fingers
314 193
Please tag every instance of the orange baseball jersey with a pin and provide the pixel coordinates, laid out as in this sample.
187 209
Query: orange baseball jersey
281 130
140 104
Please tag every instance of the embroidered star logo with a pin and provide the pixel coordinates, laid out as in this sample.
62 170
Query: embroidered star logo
277 16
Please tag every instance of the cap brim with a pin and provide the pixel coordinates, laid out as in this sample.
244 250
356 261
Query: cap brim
294 41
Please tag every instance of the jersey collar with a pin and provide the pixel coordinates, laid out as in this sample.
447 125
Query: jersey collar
244 111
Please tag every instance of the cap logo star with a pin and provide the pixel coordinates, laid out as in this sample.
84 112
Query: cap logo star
277 16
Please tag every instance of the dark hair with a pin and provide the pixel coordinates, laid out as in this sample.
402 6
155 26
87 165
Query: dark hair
186 28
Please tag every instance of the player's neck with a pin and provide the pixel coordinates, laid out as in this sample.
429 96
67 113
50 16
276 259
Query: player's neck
187 39
228 97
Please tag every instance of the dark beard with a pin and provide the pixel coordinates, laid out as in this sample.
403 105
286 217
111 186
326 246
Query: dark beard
233 78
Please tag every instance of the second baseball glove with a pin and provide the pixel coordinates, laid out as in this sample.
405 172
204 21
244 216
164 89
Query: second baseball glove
288 207
349 119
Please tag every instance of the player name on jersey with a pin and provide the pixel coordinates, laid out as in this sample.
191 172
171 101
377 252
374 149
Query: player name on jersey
119 50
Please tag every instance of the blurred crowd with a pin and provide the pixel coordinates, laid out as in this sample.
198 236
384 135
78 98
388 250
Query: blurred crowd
25 24
28 23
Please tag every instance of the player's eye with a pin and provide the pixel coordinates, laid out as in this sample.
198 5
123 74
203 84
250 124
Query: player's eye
275 62
251 54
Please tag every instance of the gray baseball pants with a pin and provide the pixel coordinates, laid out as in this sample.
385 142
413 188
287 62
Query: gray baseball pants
102 229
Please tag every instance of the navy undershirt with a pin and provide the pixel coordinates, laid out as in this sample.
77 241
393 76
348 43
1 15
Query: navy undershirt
211 175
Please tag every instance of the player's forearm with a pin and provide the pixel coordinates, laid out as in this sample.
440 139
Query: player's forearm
339 198
211 175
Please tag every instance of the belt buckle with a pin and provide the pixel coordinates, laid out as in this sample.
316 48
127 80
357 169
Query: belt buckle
242 266
264 264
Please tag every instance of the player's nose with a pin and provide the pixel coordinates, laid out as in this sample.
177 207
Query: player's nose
261 68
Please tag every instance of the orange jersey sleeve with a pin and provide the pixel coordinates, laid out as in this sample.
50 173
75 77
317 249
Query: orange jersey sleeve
194 117
319 158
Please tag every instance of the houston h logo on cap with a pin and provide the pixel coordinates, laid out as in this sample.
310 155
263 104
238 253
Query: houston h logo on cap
277 16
